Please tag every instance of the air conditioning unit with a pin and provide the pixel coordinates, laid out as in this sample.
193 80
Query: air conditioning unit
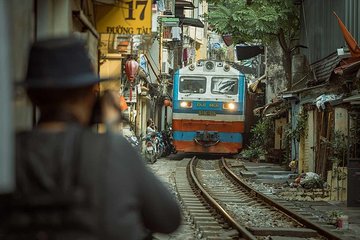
164 67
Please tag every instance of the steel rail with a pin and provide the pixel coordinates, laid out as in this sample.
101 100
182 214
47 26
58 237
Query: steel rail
279 206
242 230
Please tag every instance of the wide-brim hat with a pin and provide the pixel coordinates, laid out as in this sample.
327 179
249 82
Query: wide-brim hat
61 62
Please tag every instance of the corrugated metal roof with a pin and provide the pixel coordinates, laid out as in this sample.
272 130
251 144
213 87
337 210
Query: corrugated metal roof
323 69
348 69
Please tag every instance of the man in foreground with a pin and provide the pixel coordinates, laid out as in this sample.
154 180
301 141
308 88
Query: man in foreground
73 183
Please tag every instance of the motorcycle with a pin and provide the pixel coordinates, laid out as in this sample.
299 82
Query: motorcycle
160 145
167 138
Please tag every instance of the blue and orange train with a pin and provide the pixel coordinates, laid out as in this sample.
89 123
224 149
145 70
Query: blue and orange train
208 108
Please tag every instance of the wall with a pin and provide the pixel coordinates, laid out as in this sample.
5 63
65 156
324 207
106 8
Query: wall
153 55
352 21
7 182
275 81
22 26
320 31
111 67
280 132
307 143
341 119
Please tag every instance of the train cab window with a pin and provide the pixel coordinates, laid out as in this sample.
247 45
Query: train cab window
224 85
192 85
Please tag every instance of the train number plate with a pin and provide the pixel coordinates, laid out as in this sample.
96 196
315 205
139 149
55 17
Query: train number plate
207 113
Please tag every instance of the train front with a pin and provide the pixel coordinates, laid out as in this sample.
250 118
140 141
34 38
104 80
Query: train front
208 108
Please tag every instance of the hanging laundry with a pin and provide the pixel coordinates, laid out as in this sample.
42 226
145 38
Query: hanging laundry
185 56
176 33
161 5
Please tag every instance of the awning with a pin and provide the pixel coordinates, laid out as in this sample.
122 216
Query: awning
348 69
191 22
355 99
323 69
271 109
245 51
184 4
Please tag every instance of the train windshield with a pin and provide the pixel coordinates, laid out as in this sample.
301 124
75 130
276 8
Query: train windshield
224 85
192 85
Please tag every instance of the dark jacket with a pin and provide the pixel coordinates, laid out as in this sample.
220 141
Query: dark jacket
121 199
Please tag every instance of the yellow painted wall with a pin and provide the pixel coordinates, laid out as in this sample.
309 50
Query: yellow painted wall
111 67
341 119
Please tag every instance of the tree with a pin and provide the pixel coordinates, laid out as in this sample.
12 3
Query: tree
258 21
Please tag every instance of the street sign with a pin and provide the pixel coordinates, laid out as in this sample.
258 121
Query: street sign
170 22
128 17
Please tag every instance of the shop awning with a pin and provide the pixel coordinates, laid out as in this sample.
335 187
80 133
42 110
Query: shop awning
184 4
245 51
191 22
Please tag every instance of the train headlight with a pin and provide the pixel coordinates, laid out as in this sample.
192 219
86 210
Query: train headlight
229 106
186 104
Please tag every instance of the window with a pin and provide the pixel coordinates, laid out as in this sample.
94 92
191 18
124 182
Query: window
224 85
192 85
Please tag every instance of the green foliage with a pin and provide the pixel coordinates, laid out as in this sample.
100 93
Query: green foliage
333 215
300 130
295 134
261 133
338 147
260 20
252 152
260 139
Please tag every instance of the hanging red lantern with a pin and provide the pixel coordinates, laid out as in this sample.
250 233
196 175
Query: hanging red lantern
228 40
131 68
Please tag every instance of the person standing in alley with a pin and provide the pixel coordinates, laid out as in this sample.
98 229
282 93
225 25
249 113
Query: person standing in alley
71 182
150 126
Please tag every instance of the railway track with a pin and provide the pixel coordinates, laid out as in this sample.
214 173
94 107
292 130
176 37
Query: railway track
222 206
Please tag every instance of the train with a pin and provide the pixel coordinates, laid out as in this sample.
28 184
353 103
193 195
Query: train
209 99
